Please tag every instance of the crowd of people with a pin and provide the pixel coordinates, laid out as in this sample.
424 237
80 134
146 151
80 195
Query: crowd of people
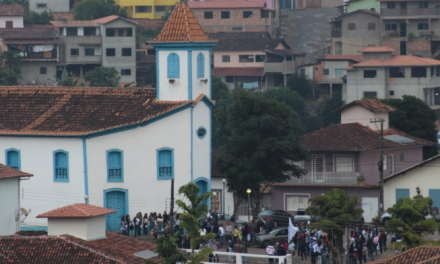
153 224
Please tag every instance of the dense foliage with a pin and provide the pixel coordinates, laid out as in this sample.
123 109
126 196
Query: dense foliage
94 9
416 118
260 140
408 220
10 73
102 77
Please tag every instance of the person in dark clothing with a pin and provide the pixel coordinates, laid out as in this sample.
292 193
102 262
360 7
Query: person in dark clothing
359 247
351 251
302 249
370 246
166 217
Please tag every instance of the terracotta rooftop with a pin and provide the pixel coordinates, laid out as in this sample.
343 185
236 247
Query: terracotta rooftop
80 210
355 137
44 249
78 111
417 255
223 71
373 105
119 247
7 172
227 5
399 60
29 35
376 49
355 58
182 27
88 23
11 10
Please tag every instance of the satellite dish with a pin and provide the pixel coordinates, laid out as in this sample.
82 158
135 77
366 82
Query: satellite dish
24 211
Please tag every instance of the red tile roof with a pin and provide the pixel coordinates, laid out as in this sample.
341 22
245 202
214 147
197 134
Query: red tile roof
182 26
34 34
44 249
376 49
254 71
227 5
78 111
80 210
121 248
8 172
417 255
88 23
373 105
355 137
355 58
11 10
399 60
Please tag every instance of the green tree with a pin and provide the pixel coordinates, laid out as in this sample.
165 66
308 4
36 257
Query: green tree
261 139
102 77
34 18
408 220
10 74
167 249
416 118
326 112
336 209
168 11
190 218
301 85
94 9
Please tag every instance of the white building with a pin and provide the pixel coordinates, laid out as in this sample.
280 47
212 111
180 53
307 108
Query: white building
49 6
10 179
383 75
113 147
421 178
11 16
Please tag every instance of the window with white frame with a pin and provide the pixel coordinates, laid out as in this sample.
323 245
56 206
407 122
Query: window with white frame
344 164
216 200
385 163
294 202
392 170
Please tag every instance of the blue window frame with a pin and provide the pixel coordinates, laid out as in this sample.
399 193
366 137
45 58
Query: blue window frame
173 64
200 66
115 165
13 158
401 193
434 194
61 166
165 164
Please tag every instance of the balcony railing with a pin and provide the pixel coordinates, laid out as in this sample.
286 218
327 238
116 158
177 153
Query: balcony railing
326 178
48 55
282 67
409 11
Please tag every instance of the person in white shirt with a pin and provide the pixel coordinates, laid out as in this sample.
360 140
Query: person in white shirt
221 233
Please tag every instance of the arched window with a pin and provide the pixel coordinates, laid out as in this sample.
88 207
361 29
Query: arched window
61 166
173 66
165 164
13 158
115 171
200 66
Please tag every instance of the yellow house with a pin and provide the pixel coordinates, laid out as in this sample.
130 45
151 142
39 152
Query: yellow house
152 9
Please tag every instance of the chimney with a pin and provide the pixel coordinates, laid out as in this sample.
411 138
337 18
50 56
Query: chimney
80 220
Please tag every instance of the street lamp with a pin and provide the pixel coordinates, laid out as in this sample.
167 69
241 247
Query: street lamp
418 190
224 198
248 191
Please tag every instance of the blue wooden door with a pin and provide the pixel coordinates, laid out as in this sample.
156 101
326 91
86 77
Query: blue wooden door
435 196
115 201
203 185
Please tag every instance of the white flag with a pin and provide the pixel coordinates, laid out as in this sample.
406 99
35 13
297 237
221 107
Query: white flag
292 230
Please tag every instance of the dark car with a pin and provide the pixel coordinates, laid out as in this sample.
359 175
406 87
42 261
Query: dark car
274 216
277 235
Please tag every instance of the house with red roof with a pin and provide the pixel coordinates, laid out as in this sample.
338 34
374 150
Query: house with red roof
346 155
235 16
112 147
383 74
107 42
253 60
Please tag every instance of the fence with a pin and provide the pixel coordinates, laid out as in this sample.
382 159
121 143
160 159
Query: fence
244 258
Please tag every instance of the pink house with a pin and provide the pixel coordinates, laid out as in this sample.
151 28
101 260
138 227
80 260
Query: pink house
341 154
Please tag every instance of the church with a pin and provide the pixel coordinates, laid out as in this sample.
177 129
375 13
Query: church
115 147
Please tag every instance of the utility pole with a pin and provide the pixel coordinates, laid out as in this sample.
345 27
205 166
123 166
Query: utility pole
172 208
279 20
380 163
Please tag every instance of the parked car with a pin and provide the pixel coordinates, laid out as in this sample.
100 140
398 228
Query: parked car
277 235
301 216
274 216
